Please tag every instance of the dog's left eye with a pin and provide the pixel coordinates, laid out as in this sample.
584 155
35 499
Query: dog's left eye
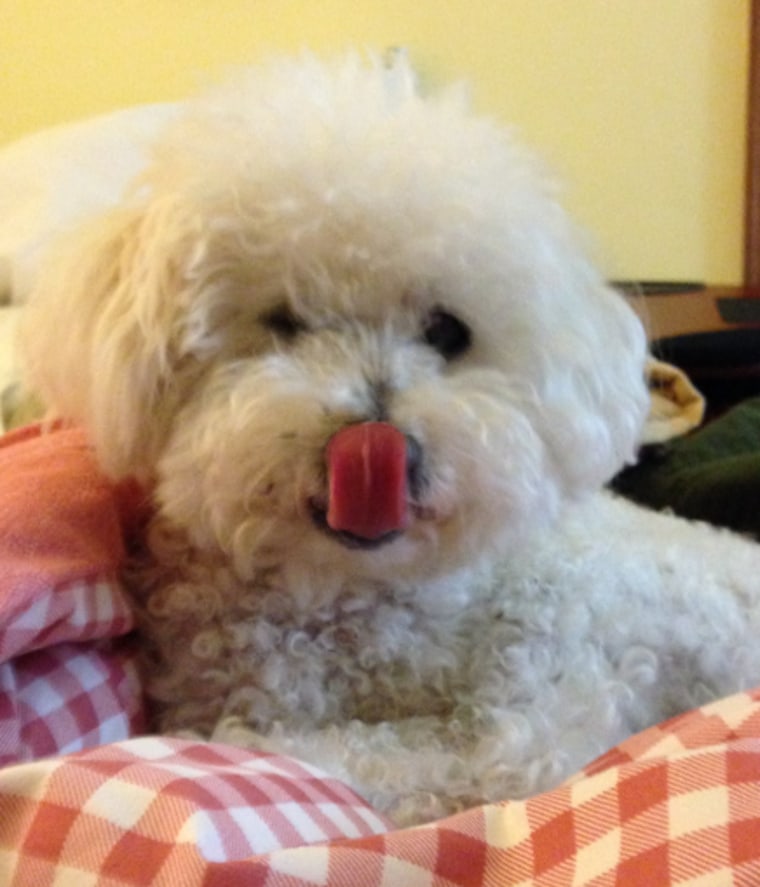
283 322
447 334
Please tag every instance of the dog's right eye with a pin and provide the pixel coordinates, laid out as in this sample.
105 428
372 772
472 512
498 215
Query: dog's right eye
447 334
283 322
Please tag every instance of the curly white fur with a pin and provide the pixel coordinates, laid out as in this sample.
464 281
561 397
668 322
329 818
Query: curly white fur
524 621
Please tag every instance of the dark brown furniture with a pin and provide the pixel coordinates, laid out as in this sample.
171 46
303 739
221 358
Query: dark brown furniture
713 334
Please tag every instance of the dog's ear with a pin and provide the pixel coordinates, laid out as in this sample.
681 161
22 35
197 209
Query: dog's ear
595 398
96 340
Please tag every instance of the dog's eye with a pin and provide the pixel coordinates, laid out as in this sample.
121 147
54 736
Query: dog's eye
447 334
283 322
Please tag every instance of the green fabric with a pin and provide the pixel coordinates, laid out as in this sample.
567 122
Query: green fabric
712 474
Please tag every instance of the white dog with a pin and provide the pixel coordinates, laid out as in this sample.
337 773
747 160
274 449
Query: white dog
349 340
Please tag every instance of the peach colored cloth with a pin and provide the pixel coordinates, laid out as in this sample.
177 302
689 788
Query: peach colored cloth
67 681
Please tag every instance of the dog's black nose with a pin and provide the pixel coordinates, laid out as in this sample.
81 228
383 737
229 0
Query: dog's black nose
414 465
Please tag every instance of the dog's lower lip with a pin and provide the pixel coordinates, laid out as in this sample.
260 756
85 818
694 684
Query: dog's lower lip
348 540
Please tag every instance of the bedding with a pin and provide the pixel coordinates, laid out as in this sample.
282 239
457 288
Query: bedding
712 474
87 798
677 805
66 682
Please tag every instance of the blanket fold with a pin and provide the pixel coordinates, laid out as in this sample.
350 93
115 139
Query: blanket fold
65 681
676 805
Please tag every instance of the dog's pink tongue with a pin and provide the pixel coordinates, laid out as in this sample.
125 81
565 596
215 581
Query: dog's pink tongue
366 470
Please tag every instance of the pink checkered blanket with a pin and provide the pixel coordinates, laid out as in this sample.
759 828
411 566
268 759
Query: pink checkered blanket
66 680
86 800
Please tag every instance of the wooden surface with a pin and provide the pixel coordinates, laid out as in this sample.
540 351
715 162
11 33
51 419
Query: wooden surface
752 186
722 359
682 314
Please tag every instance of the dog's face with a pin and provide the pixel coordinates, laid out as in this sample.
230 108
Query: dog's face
320 249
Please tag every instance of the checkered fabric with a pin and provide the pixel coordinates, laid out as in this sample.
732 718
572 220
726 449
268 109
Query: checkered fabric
66 683
677 805
153 811
66 698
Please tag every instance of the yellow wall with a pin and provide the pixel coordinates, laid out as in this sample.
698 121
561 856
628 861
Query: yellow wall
639 104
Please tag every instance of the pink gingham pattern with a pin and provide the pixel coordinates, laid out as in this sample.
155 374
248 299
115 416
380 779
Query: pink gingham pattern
66 698
42 615
677 805
66 681
159 811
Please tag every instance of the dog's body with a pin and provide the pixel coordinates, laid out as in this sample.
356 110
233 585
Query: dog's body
473 686
350 343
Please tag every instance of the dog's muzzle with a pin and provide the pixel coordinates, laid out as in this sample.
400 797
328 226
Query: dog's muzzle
372 471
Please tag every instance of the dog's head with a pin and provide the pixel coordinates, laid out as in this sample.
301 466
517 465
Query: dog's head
315 249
